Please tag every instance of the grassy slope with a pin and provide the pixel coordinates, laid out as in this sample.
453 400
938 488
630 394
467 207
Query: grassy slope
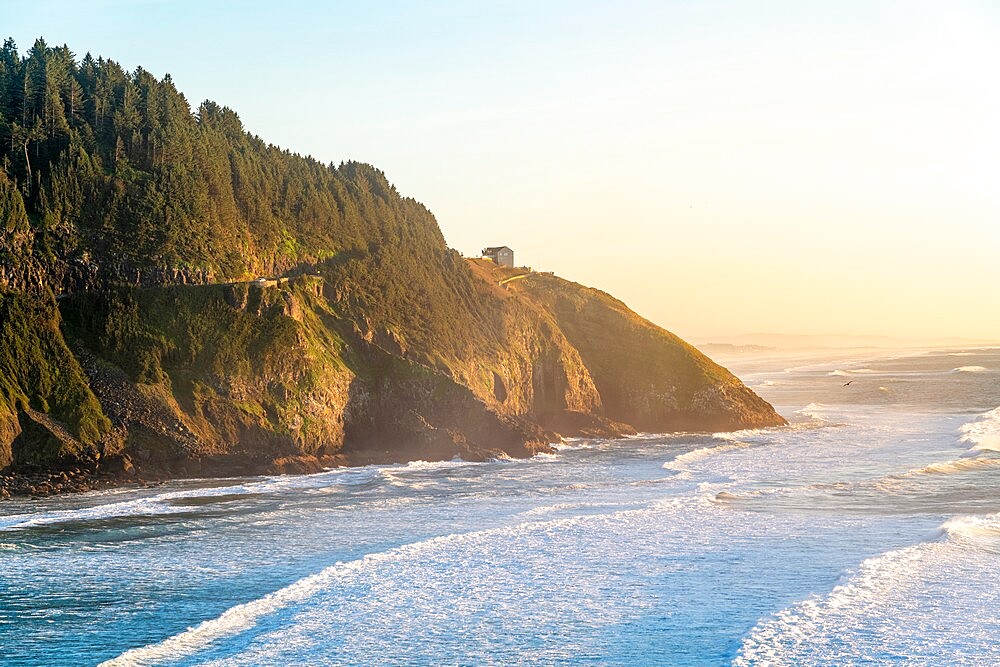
38 372
240 366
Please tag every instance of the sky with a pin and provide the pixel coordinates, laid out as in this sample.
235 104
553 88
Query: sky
723 167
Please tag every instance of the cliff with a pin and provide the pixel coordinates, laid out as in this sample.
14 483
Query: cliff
137 343
643 374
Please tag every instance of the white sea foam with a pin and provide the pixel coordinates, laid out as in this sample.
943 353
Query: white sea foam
954 466
590 506
565 447
246 616
974 527
984 432
681 461
970 369
814 410
571 444
739 436
840 373
730 496
455 462
918 588
780 639
167 503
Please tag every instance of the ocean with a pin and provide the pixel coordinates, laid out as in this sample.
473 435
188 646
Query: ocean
865 532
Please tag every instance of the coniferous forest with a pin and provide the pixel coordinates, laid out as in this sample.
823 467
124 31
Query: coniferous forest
116 164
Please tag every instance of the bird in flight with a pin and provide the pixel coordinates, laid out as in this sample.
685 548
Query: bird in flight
847 383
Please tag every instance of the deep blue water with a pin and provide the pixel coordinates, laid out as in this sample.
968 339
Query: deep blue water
864 533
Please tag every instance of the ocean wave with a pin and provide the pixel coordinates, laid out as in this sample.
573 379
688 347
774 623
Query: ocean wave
649 435
455 462
983 433
583 505
174 502
780 639
954 466
969 369
903 588
980 531
394 478
890 484
680 461
739 436
565 447
813 410
246 616
854 371
571 444
737 496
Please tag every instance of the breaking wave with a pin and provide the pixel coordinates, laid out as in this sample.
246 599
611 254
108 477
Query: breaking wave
955 466
246 616
970 369
682 460
834 629
984 432
980 531
175 502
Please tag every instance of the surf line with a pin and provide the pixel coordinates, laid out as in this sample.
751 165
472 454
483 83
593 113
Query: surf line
245 616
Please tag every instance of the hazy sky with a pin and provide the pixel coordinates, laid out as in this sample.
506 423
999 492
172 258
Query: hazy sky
723 167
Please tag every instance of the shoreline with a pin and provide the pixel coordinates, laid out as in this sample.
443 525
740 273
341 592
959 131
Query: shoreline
120 472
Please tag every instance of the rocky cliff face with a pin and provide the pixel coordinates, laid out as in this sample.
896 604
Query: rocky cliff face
136 342
643 375
242 378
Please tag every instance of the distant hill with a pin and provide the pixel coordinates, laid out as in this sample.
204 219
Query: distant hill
822 341
729 348
138 342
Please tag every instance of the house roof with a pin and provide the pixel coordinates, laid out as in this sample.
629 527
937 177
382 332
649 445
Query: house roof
494 249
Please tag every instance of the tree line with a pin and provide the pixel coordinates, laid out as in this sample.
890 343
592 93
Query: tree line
116 164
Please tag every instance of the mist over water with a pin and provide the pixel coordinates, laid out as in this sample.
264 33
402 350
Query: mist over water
865 532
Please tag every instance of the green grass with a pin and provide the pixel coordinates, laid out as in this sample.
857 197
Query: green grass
260 356
38 370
